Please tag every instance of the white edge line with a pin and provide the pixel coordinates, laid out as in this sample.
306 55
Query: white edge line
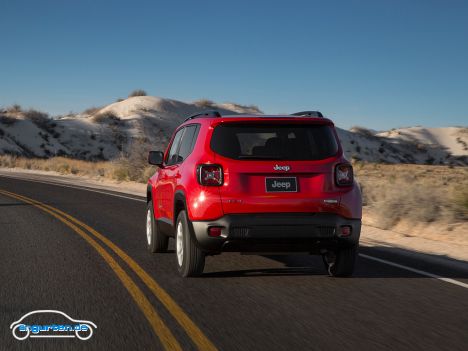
74 187
414 270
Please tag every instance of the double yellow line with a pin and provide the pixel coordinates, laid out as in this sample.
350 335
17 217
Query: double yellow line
167 338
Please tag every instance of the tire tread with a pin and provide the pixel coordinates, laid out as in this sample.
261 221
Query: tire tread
194 261
159 241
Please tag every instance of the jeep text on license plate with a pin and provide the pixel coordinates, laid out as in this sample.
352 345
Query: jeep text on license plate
280 184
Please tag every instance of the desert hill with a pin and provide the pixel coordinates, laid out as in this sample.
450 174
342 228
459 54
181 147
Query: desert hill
114 130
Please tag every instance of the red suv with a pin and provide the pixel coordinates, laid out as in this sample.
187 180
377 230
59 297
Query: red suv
254 184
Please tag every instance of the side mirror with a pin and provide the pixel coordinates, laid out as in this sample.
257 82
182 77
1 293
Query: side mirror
156 158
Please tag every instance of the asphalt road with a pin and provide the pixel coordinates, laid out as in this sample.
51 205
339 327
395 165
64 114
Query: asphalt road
241 302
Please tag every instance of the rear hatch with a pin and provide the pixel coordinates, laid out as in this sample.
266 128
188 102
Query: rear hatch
277 165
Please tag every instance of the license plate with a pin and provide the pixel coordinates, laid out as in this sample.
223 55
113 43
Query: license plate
281 184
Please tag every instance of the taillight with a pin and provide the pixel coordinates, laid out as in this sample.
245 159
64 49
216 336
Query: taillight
344 174
210 175
345 230
215 231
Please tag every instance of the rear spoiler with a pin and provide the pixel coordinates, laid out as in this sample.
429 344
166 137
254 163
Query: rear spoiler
308 114
204 114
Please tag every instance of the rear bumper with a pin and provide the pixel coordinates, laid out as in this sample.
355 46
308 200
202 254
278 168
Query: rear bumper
277 232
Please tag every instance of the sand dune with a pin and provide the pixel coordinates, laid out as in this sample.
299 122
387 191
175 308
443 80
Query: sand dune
113 130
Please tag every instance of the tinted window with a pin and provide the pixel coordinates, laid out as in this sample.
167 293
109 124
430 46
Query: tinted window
188 142
277 142
172 157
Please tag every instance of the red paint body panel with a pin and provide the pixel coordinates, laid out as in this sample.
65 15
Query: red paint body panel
243 189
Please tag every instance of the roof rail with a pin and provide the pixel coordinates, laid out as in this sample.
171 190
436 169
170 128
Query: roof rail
308 114
213 113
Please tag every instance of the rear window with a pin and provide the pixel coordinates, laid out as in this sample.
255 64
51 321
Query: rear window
277 142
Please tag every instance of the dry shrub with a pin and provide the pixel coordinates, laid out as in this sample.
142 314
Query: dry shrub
363 131
107 118
405 200
248 108
36 116
40 119
92 110
61 165
417 193
14 108
7 161
254 107
124 170
137 92
7 120
134 166
460 196
204 103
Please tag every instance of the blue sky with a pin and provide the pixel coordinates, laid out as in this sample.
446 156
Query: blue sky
377 63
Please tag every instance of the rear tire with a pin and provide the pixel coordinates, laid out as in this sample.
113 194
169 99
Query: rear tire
340 263
190 259
155 240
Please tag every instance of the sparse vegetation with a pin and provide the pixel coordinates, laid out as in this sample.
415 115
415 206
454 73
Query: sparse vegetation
7 120
36 116
137 92
92 110
124 169
254 107
461 201
41 119
463 143
363 131
251 108
415 193
15 108
107 117
204 103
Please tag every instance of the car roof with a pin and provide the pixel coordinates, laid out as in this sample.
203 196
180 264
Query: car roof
213 120
256 116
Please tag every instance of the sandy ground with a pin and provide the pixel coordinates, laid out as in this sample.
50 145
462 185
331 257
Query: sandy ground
442 248
404 236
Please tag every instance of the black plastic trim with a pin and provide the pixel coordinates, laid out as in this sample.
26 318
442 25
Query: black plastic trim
213 113
280 232
308 114
165 226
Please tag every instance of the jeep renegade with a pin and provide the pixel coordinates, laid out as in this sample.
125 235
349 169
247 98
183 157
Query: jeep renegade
254 183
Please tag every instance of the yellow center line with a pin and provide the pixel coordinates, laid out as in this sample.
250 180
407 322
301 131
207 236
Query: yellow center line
166 337
197 336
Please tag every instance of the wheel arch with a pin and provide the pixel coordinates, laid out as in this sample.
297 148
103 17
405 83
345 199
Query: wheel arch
180 204
149 193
